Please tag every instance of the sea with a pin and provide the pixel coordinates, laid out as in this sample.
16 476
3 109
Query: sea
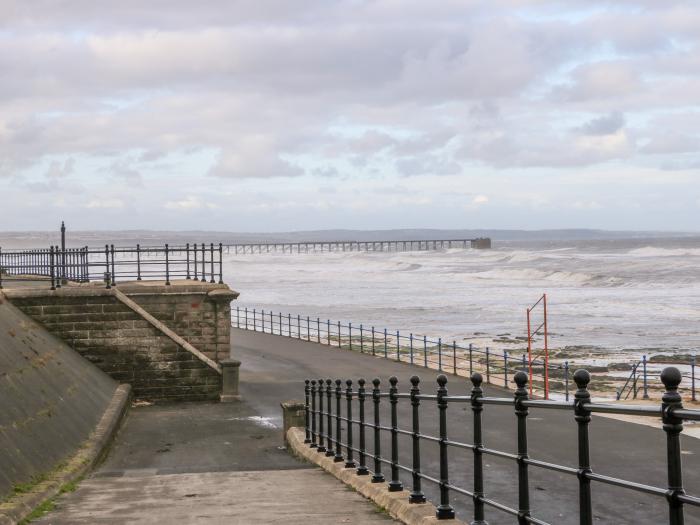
614 298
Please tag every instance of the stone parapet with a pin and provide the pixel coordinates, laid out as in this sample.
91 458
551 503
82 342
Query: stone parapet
128 347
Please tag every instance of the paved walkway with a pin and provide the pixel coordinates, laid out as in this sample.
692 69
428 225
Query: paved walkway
208 463
193 463
274 368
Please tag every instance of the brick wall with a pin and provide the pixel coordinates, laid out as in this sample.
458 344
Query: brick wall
119 341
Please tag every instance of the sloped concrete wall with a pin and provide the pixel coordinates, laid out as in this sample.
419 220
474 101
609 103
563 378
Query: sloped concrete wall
51 399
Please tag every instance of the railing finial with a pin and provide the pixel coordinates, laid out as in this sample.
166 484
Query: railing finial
442 380
520 379
582 378
477 379
671 377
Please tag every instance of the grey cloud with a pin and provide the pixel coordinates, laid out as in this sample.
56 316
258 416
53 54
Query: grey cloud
604 125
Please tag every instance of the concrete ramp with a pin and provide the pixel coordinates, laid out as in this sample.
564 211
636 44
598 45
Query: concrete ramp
51 399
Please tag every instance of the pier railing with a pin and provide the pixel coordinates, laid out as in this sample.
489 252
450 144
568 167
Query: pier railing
416 349
330 428
57 266
356 246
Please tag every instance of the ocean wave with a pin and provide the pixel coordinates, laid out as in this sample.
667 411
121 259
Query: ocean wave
653 251
557 276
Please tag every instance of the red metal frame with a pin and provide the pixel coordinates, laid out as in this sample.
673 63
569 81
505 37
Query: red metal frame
545 352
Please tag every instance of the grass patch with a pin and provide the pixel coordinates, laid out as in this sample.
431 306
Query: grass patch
40 511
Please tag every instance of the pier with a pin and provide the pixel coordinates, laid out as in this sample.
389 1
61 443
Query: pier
482 243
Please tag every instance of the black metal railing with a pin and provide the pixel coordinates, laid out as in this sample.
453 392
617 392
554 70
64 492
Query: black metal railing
638 384
111 265
333 443
449 356
416 349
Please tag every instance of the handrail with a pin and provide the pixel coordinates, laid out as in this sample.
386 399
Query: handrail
428 352
57 266
326 439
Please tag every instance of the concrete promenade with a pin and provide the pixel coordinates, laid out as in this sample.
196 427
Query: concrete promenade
208 463
274 368
218 463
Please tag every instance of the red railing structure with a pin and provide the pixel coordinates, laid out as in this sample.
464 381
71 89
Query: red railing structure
544 353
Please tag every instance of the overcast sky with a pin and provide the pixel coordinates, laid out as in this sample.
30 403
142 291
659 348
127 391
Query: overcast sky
279 115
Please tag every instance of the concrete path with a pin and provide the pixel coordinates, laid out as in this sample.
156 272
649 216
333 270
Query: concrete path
275 367
208 463
289 497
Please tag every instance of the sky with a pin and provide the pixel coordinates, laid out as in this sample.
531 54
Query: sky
254 115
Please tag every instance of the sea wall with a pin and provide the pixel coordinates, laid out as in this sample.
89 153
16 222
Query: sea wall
51 399
132 349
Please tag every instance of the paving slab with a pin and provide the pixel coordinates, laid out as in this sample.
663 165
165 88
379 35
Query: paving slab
290 497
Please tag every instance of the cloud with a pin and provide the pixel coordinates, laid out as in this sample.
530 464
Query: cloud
107 203
233 94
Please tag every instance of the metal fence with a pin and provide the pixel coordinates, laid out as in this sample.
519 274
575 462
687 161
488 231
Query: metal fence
320 419
449 356
57 266
638 383
415 349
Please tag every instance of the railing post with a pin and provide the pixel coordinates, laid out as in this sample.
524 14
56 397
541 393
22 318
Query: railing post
410 343
644 379
221 263
211 263
167 266
488 366
634 381
204 263
339 338
114 277
289 324
440 354
454 357
444 510
320 447
138 264
692 377
328 331
350 334
673 426
425 351
583 418
477 409
362 469
398 346
318 330
307 423
313 414
373 350
299 326
362 342
417 495
377 476
521 412
308 328
329 418
349 461
395 484
108 278
505 368
338 395
53 274
386 354
194 262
